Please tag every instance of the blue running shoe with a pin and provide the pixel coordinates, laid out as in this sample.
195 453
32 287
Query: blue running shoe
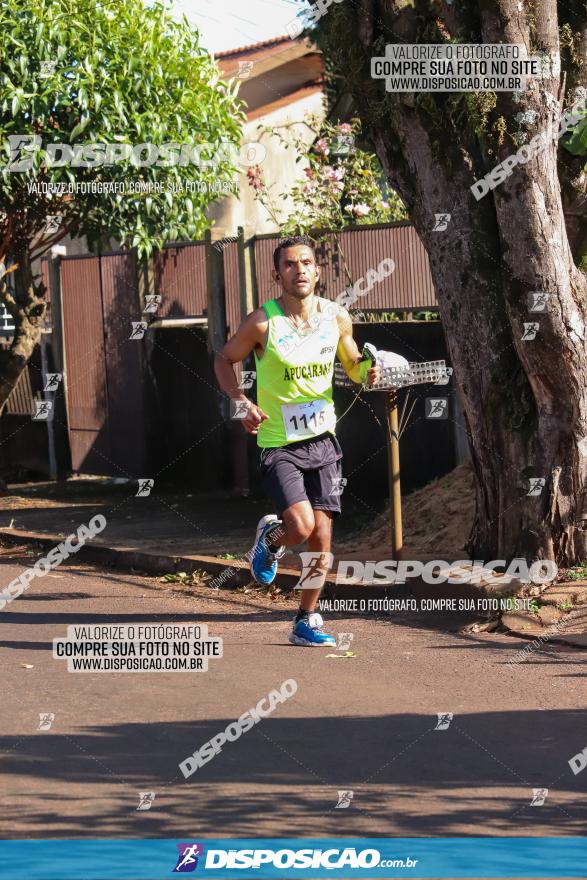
263 563
308 632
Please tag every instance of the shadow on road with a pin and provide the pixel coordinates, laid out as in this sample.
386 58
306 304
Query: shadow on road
283 776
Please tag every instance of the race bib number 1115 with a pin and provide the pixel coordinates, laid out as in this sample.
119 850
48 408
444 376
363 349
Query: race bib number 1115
304 420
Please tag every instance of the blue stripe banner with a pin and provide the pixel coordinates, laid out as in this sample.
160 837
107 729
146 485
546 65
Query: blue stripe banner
273 859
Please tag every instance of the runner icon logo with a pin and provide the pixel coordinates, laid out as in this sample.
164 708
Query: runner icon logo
539 796
538 301
52 381
343 641
338 484
247 379
536 485
46 719
314 567
441 222
444 719
436 408
530 330
152 303
344 800
244 69
138 329
187 860
43 411
146 799
239 409
144 488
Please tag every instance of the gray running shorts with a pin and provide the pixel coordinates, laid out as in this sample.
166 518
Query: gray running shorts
307 470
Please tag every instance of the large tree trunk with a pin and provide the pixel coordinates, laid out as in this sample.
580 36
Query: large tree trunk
525 401
27 307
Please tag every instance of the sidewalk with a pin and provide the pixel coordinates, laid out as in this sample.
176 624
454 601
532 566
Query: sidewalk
169 531
164 532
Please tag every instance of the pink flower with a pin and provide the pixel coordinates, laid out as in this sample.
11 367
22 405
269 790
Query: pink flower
334 173
345 128
361 210
309 187
337 185
321 146
255 179
384 204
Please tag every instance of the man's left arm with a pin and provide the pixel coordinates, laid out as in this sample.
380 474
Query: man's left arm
348 352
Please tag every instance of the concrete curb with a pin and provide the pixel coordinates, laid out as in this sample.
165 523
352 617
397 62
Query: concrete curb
236 573
524 625
230 571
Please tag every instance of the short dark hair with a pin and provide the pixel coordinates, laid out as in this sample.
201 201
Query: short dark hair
291 242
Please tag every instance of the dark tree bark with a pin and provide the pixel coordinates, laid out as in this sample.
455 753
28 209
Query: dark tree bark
525 401
27 307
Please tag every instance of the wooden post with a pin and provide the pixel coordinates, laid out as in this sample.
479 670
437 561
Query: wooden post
59 440
216 340
247 274
395 495
216 310
145 281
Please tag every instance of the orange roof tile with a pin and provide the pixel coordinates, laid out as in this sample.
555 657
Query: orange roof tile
254 47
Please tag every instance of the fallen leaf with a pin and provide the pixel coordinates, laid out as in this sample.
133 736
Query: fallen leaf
346 654
27 665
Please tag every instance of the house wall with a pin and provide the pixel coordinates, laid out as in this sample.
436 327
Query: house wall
279 168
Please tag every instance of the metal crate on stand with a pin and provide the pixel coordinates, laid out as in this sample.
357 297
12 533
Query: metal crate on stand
391 379
425 372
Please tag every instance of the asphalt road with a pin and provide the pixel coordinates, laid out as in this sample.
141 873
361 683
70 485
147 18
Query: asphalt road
364 724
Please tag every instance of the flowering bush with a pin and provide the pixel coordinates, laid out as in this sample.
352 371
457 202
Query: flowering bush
343 185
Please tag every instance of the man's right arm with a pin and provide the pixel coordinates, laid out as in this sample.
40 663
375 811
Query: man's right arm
238 347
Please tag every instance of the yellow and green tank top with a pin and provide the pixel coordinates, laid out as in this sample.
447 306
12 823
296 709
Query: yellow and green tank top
294 376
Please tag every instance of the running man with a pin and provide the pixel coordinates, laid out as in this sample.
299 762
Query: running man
295 339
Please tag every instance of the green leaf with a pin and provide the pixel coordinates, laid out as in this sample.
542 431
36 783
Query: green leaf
80 126
576 142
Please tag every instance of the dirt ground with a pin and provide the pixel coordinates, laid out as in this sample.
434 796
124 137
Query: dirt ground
436 520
